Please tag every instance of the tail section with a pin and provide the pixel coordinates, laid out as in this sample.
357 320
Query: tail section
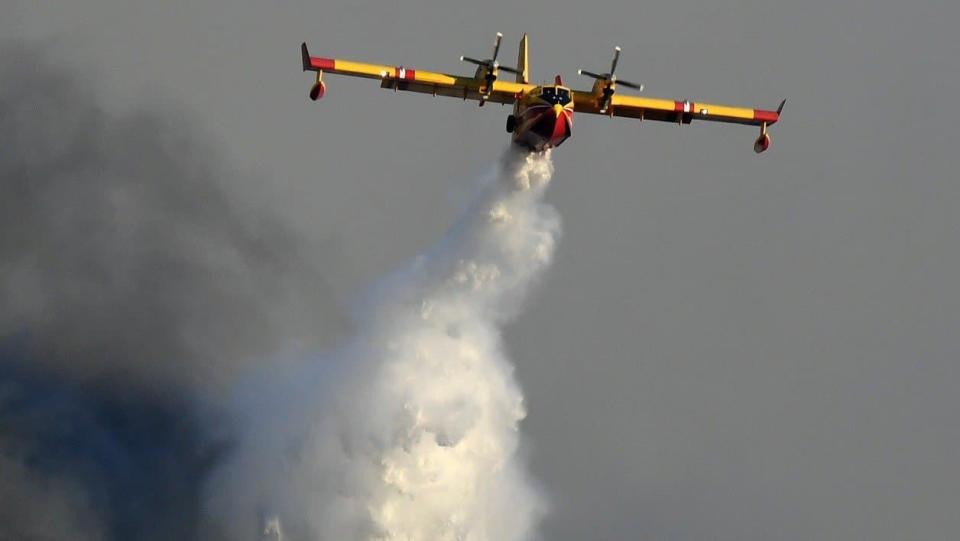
523 67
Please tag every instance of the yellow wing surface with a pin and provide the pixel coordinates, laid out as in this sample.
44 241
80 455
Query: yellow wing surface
666 110
414 80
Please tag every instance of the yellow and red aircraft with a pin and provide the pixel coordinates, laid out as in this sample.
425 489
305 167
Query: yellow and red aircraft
542 114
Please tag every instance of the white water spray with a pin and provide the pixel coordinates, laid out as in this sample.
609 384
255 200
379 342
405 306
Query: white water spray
411 432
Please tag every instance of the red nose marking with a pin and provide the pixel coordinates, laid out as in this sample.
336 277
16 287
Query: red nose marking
560 127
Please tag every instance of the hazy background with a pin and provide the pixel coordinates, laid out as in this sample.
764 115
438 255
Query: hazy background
728 346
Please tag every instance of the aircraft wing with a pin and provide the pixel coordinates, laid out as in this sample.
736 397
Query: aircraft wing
665 110
413 80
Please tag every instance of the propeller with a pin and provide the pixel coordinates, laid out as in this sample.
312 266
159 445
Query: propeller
610 81
491 64
489 69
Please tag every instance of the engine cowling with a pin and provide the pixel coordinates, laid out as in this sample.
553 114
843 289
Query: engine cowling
762 143
318 90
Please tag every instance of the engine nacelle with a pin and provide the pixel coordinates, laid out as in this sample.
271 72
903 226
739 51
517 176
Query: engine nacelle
318 90
762 143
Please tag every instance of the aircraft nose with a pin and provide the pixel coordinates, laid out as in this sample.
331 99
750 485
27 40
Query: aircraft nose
557 109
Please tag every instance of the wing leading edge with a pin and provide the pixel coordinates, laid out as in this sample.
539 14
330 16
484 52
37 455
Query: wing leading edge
681 112
412 80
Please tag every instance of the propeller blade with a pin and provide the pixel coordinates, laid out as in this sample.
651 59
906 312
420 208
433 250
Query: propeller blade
496 46
473 61
628 84
591 74
508 69
616 58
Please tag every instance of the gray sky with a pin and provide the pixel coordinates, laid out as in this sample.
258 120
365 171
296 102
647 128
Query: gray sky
728 346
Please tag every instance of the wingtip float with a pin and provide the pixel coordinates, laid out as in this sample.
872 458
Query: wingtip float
542 115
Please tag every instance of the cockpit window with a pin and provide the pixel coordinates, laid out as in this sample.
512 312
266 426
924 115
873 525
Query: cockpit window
554 95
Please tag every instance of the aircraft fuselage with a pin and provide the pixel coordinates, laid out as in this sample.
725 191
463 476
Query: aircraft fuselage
543 118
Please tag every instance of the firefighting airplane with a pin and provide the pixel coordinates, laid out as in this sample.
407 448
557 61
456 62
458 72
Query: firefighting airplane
542 114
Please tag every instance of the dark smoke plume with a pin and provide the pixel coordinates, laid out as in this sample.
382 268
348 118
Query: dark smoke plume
132 289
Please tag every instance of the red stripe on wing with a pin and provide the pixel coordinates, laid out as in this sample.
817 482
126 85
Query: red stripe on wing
322 63
405 74
765 116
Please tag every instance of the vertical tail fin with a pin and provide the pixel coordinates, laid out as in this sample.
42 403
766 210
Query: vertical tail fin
523 68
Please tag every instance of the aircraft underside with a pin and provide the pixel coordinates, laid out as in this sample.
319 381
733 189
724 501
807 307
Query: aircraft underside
540 128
